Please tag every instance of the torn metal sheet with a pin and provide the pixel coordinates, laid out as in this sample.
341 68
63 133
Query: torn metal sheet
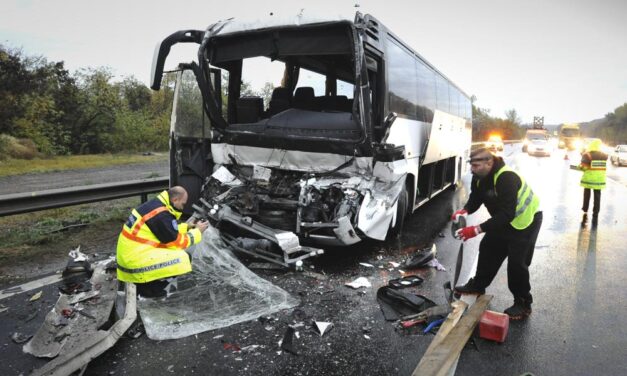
77 357
219 292
62 330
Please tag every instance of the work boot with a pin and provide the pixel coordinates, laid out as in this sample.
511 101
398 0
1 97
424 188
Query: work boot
584 220
470 288
520 310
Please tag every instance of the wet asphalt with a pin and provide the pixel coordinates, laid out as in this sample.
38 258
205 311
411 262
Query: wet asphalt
577 277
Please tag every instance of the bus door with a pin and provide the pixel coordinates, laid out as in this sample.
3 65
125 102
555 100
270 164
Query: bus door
190 135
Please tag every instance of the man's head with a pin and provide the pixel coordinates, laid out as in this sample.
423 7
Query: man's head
178 197
481 162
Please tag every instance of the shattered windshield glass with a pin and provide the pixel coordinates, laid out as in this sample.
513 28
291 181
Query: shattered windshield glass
219 292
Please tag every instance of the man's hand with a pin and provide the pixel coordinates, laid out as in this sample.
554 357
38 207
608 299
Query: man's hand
202 225
457 214
467 232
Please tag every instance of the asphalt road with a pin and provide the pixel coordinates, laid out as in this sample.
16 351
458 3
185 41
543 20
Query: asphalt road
577 277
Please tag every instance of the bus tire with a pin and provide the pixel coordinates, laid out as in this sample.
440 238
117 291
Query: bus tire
401 214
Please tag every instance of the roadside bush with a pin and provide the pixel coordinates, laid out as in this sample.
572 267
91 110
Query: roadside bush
17 148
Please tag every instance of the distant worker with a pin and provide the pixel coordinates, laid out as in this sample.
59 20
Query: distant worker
151 247
510 233
593 164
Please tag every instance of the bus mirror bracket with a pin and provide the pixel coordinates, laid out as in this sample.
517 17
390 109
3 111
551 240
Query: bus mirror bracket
387 124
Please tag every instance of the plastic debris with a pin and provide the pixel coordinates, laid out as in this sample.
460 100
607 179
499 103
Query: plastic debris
436 264
405 281
36 296
366 265
231 346
421 258
219 292
366 336
359 282
322 327
394 264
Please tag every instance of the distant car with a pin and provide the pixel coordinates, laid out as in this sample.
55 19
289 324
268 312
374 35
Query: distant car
619 155
494 143
539 146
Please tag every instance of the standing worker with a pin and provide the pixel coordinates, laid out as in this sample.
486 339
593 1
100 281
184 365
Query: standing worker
151 247
593 164
511 232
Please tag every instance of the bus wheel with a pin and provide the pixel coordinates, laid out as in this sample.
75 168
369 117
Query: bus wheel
401 213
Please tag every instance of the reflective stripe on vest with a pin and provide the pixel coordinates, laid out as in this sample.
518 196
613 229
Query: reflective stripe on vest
132 232
527 202
150 267
598 165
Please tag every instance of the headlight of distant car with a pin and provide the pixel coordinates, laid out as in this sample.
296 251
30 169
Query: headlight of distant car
562 143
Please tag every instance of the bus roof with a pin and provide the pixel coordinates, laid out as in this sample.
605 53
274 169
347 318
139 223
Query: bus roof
233 25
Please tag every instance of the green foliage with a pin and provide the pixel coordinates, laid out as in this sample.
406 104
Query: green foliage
483 125
78 114
614 129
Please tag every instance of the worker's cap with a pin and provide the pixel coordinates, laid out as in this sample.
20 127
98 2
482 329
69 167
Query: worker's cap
480 155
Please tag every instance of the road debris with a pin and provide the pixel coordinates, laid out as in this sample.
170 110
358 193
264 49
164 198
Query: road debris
434 263
405 281
287 344
322 327
19 338
397 303
365 264
359 282
36 296
421 258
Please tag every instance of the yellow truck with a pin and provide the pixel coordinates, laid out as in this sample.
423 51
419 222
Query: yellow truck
570 137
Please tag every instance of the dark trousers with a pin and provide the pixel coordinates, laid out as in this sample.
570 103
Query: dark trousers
586 201
517 247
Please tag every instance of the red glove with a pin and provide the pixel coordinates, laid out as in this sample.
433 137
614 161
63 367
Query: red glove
467 232
457 214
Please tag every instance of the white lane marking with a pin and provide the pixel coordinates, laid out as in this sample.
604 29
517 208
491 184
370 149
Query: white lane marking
10 291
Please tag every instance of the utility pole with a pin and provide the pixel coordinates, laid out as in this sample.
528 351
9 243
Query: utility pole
538 122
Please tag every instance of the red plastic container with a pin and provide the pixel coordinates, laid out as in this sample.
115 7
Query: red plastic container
493 326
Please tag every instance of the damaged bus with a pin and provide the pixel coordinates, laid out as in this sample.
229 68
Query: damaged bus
322 162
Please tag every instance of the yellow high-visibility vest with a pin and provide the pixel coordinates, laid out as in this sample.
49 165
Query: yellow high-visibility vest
141 257
527 202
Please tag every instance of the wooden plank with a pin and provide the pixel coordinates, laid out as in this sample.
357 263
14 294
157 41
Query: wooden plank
440 357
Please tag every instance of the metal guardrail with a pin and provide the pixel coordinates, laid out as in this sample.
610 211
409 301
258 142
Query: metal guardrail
18 203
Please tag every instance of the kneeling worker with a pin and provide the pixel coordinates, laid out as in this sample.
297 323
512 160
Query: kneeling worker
151 247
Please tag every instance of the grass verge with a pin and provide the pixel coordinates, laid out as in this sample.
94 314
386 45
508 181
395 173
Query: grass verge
50 234
22 166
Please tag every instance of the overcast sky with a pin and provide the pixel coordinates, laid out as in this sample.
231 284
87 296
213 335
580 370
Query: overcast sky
565 60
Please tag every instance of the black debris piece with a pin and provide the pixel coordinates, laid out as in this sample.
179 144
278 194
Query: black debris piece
420 259
406 281
397 303
287 344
